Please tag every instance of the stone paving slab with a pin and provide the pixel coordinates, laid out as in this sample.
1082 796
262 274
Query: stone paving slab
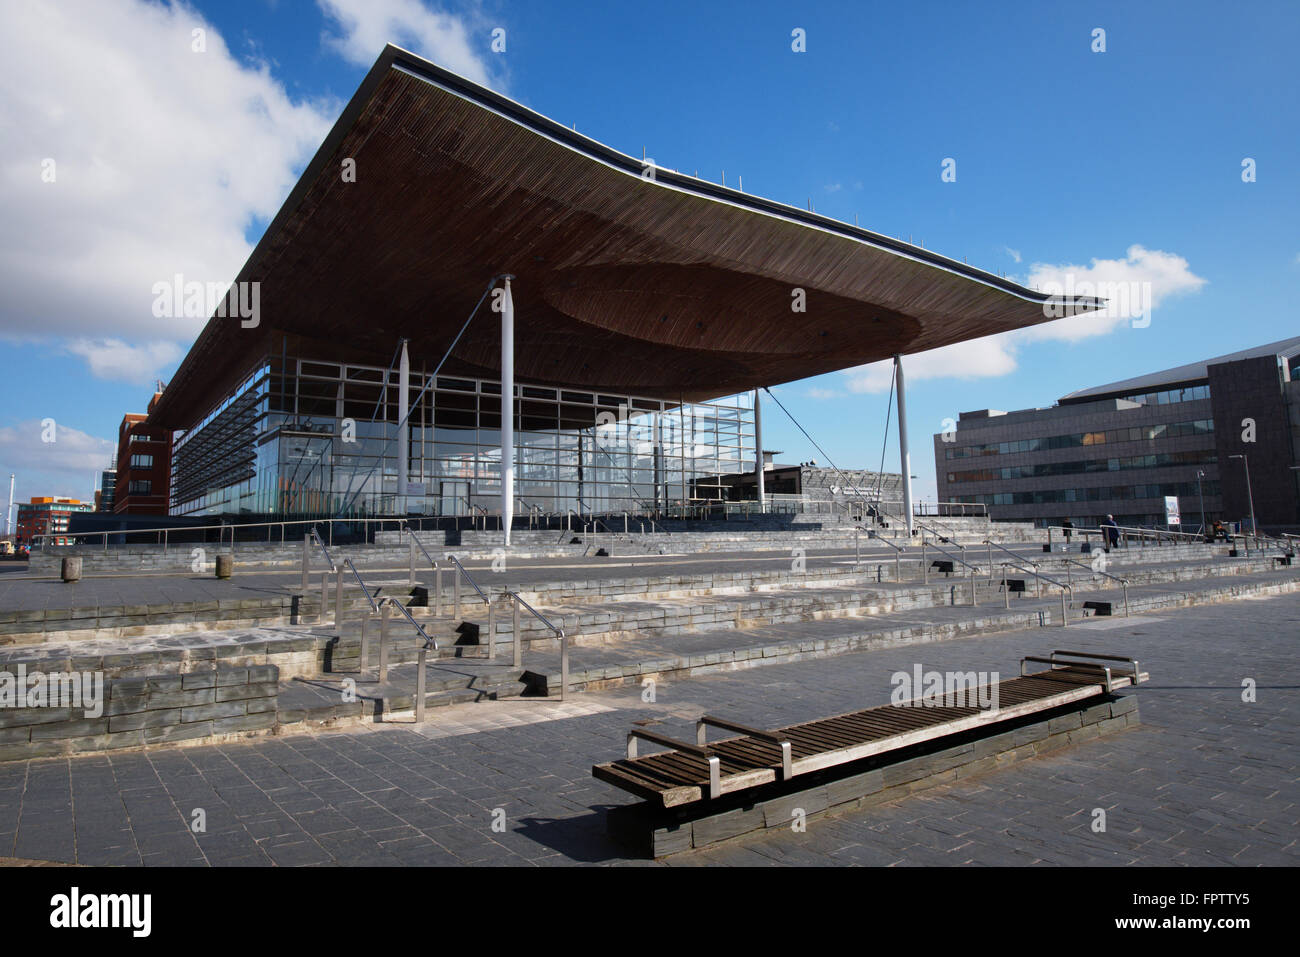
1206 778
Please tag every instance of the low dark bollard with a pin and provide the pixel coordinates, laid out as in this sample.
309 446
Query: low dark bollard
225 565
72 568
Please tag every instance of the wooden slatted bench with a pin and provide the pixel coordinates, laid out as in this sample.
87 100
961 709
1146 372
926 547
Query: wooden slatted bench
689 773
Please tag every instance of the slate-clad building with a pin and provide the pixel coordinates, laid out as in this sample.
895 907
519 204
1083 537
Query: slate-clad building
466 306
1121 448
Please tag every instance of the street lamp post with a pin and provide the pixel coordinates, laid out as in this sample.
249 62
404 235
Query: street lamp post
1200 492
1250 495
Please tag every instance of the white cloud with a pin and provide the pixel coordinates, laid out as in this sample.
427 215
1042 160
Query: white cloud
834 187
816 392
1156 274
447 39
1133 286
64 467
115 359
1013 253
162 158
977 359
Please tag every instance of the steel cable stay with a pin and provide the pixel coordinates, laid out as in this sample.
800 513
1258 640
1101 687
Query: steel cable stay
381 399
430 379
814 441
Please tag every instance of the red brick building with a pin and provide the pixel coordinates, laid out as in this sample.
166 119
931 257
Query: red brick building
144 465
47 515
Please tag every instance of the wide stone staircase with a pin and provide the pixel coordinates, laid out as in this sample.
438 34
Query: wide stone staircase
301 664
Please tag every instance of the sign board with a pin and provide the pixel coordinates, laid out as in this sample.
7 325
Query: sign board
415 488
1171 510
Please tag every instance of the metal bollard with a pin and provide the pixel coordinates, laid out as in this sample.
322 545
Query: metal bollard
455 594
306 563
324 595
410 574
437 592
925 566
383 642
491 629
338 601
365 645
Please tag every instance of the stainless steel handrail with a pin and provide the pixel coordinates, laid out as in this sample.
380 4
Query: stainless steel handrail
1124 582
1136 673
956 558
1065 615
992 545
516 602
430 643
315 536
473 584
364 590
950 537
432 561
182 529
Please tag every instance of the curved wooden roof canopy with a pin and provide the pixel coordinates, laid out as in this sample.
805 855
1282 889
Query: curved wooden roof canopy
668 288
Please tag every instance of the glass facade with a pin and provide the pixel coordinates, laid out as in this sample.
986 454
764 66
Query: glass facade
1076 440
302 437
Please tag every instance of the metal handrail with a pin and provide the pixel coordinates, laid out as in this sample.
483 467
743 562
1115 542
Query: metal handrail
184 529
558 631
1037 574
376 604
315 536
943 551
364 590
473 584
1065 614
950 537
883 541
1124 582
516 603
420 545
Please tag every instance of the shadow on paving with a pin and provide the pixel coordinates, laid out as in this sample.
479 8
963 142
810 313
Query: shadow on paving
581 839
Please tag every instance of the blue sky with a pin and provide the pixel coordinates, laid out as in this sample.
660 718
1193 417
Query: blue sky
1124 163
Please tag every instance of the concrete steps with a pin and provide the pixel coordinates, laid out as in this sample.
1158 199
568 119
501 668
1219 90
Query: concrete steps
636 662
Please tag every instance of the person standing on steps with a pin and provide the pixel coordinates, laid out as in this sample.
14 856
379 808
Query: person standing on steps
1112 532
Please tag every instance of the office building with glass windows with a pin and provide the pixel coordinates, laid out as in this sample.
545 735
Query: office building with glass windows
1221 434
447 248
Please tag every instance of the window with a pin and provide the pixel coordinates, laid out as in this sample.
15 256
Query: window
141 437
141 487
140 461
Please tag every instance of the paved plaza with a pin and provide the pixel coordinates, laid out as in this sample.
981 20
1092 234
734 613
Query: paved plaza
1206 779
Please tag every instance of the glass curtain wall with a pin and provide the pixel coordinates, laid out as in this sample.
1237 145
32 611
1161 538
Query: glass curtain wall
307 438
